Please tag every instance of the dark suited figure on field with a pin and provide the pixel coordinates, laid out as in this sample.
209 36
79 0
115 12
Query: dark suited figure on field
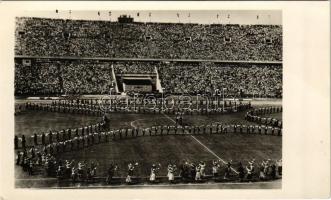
50 137
69 134
228 170
99 137
23 142
241 172
131 168
19 156
279 167
184 171
58 136
132 132
193 171
35 139
43 142
110 173
16 142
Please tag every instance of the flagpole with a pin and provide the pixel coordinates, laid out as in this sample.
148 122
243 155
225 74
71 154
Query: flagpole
57 14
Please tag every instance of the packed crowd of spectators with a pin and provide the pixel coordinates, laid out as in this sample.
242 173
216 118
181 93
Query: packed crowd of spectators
134 67
77 77
42 78
85 77
233 79
59 37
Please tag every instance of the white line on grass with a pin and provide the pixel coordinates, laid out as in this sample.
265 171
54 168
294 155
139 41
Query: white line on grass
132 122
209 150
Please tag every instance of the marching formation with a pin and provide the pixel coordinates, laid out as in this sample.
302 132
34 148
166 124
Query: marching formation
77 171
157 106
253 116
40 153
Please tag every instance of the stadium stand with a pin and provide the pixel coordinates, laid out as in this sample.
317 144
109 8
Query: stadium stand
57 56
57 37
208 77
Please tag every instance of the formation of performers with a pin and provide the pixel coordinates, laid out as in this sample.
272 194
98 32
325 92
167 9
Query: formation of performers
67 107
37 162
74 139
99 107
40 152
253 116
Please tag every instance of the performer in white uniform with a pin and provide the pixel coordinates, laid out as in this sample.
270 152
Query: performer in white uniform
171 170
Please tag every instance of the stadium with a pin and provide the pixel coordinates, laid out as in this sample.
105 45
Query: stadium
135 104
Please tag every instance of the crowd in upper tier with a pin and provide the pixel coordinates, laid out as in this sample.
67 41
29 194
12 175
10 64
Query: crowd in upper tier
85 77
59 37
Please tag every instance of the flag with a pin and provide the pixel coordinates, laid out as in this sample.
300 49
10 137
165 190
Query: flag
138 14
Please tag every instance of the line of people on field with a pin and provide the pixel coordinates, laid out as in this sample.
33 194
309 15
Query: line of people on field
187 171
60 138
99 109
253 116
71 139
67 108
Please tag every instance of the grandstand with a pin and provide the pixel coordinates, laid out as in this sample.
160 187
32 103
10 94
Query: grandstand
84 59
155 49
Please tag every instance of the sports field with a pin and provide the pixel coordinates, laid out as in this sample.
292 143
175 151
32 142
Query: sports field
155 149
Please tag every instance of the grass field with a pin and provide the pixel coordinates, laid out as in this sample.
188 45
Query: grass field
33 121
154 149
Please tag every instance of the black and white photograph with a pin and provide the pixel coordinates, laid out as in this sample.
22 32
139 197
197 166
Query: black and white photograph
154 100
176 99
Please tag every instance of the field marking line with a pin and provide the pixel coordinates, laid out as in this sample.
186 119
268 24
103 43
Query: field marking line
132 122
209 150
